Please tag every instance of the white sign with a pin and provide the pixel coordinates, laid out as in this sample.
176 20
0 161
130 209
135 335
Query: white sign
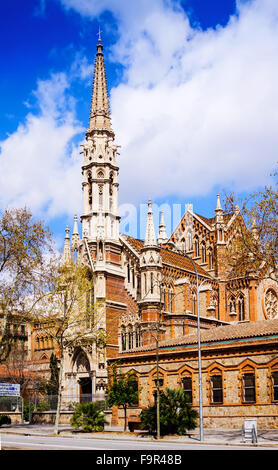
9 390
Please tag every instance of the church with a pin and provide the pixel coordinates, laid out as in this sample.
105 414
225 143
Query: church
170 281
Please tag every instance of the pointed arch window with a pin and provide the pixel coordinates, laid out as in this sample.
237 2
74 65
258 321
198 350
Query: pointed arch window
189 241
204 253
210 259
196 247
241 308
123 337
194 303
232 305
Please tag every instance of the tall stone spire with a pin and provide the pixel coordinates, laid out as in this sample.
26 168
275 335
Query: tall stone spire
162 235
67 253
75 236
150 238
218 204
100 118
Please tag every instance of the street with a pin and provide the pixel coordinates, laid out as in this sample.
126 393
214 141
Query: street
11 441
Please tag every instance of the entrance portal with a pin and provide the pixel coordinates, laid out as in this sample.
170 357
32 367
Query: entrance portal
85 384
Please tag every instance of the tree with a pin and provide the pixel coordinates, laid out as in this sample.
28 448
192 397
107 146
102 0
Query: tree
89 417
176 414
76 320
123 391
52 385
24 243
255 245
15 370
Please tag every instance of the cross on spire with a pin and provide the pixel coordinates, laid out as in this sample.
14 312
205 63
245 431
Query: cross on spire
99 34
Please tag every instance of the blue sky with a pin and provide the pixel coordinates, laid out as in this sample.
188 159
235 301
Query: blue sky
193 98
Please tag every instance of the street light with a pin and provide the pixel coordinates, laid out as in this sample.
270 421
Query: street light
199 343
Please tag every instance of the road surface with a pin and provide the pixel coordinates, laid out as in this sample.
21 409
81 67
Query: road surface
12 441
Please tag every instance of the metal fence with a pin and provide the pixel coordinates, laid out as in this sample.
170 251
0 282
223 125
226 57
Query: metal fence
10 404
68 402
42 403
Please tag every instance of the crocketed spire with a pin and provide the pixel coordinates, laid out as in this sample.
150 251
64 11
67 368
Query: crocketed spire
150 238
162 235
67 253
100 118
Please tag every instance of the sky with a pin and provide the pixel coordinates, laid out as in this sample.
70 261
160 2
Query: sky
193 96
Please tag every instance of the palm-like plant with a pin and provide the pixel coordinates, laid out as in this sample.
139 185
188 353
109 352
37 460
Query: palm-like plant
89 417
176 413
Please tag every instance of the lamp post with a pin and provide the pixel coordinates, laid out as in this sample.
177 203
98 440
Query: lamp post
199 351
199 344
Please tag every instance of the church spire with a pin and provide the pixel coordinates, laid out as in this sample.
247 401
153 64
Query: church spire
150 238
67 254
100 118
162 235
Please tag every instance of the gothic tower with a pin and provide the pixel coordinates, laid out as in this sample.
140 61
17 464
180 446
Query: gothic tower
100 219
99 245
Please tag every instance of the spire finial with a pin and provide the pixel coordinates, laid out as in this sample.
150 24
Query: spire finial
218 205
162 235
150 238
67 254
99 34
100 118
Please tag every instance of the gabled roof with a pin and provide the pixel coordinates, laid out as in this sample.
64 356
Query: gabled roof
168 256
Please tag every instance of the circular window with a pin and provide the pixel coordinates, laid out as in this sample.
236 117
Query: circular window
271 303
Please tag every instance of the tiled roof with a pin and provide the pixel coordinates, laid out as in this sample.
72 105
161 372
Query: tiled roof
168 256
211 220
220 333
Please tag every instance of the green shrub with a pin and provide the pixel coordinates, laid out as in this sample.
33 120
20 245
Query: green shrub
89 417
28 410
4 419
176 414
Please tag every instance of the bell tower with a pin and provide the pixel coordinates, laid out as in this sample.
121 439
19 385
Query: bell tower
100 170
100 219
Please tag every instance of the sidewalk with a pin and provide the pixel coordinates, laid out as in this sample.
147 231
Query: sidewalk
211 436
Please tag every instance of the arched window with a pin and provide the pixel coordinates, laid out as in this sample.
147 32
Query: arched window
249 388
189 241
128 273
216 388
137 337
194 303
196 247
187 387
130 339
232 305
204 253
100 196
123 337
241 308
151 283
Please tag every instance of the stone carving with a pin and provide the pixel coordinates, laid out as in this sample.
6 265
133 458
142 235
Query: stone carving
271 304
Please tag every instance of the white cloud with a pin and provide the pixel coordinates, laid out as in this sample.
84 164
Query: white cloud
40 167
196 108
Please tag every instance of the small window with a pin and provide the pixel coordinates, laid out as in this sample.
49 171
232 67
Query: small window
241 309
123 341
275 386
204 253
216 389
187 387
249 392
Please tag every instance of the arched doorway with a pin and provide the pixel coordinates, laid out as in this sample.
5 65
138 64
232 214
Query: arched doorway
82 369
